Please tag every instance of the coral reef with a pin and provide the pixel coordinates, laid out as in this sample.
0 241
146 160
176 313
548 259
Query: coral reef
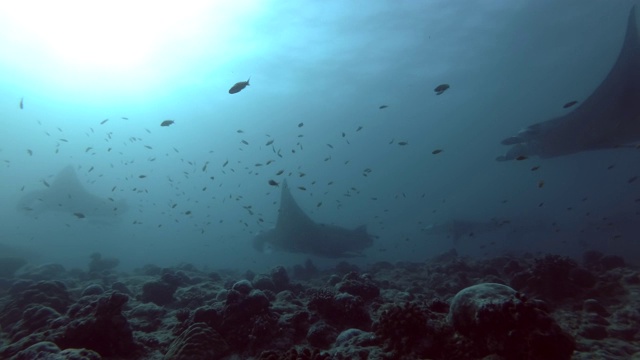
99 264
450 307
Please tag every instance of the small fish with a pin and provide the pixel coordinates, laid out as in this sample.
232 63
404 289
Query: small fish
330 146
124 118
103 121
240 131
403 143
273 183
279 172
300 125
359 128
64 140
29 152
142 176
87 149
383 107
632 179
569 104
166 123
79 215
90 169
188 212
225 163
237 87
343 134
521 157
269 143
113 189
535 168
148 147
244 142
21 103
302 188
45 183
436 151
441 88
319 204
540 183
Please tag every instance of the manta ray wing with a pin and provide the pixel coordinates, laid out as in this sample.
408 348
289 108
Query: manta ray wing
66 194
296 232
608 118
291 218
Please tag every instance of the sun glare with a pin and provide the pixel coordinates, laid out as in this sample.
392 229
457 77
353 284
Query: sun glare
117 35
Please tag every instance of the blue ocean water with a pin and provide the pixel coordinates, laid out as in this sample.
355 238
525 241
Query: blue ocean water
319 74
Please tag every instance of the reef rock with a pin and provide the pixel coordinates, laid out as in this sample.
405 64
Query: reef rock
197 342
498 318
46 350
97 323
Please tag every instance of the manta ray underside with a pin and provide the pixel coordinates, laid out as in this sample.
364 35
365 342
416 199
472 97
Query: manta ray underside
295 232
609 118
67 195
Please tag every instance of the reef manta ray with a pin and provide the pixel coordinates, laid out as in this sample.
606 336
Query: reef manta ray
296 232
67 195
609 118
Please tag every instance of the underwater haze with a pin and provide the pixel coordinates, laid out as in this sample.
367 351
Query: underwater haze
343 92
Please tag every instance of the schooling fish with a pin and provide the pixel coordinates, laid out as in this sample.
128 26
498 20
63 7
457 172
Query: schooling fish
239 86
166 123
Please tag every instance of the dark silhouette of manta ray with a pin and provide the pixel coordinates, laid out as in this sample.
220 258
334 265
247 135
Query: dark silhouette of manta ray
66 194
609 118
296 232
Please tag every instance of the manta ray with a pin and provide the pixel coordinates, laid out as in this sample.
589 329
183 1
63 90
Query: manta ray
67 195
295 232
456 229
609 118
460 230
